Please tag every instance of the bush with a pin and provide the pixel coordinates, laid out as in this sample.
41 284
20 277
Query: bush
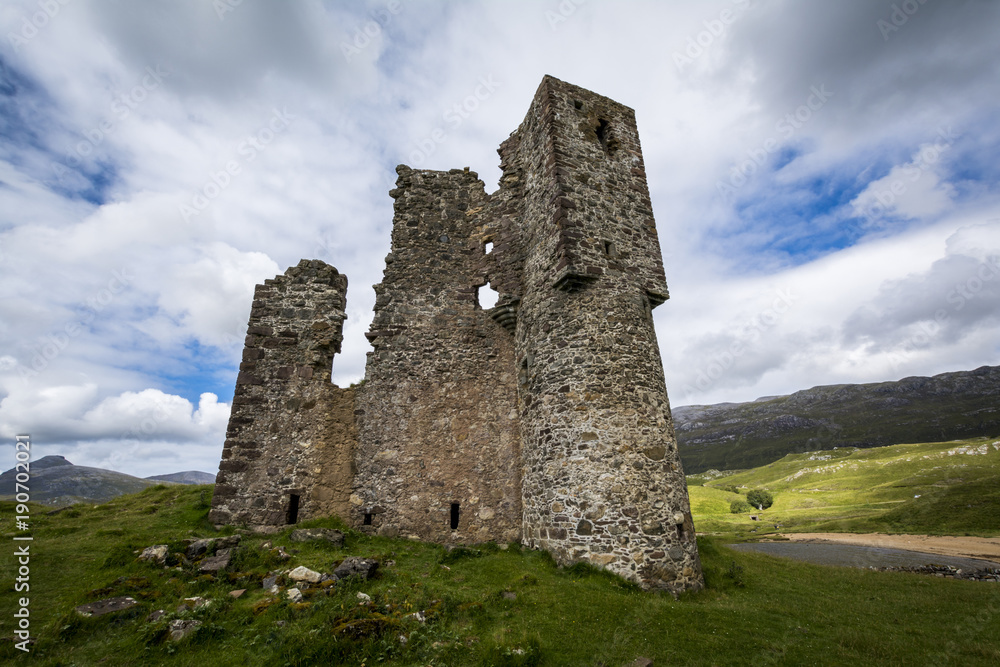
739 506
760 498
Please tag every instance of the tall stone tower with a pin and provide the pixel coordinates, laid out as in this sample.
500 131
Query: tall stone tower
543 418
602 479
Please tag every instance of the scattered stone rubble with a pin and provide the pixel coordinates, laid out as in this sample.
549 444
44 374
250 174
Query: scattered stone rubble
948 572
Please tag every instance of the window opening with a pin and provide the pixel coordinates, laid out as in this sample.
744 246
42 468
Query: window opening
488 247
603 128
486 298
293 508
454 516
368 519
578 104
609 248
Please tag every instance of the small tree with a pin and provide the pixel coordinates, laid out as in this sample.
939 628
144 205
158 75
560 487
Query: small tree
738 506
760 498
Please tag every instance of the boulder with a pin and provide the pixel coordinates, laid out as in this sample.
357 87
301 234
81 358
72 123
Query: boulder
109 606
228 542
181 628
354 566
294 595
214 564
302 573
334 537
155 554
199 548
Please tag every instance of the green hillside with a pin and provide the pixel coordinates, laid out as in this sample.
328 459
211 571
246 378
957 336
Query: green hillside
950 488
487 606
733 436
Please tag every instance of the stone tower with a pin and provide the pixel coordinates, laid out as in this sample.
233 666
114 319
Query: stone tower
602 479
544 418
290 441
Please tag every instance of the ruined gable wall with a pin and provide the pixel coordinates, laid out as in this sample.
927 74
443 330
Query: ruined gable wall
291 431
437 412
602 479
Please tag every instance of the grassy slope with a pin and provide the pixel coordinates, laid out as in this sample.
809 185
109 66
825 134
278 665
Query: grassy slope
958 484
756 610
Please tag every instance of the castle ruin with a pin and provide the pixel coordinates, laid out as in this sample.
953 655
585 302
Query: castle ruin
543 419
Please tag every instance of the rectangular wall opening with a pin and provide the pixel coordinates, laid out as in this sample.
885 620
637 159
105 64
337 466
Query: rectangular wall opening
368 519
454 516
603 133
293 509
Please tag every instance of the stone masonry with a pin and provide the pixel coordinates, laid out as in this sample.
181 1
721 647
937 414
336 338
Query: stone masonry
543 419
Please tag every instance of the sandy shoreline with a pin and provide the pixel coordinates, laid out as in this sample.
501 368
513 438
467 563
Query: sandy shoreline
987 548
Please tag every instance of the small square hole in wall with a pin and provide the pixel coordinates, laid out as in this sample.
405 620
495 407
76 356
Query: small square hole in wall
578 105
368 519
488 247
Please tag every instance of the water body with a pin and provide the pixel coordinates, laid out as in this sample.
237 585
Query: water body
852 555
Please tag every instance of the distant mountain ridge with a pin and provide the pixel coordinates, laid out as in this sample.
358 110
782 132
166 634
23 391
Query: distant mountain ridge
730 436
55 481
186 477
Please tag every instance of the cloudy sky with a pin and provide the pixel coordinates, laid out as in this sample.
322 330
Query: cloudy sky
824 179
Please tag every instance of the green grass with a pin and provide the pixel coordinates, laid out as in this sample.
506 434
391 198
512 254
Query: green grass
756 609
950 488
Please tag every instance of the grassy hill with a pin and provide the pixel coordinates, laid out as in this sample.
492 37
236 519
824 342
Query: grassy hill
732 436
949 488
489 606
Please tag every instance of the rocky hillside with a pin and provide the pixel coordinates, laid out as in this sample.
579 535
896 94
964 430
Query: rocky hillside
186 477
56 481
732 436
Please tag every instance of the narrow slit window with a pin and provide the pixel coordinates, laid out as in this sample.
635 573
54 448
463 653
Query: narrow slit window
609 248
603 133
680 531
368 519
293 509
454 516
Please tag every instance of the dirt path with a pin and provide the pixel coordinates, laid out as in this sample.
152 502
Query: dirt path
987 548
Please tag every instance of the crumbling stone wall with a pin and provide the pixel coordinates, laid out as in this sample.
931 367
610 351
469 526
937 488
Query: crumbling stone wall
439 445
290 441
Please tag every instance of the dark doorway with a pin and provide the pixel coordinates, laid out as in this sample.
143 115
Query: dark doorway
454 516
293 508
